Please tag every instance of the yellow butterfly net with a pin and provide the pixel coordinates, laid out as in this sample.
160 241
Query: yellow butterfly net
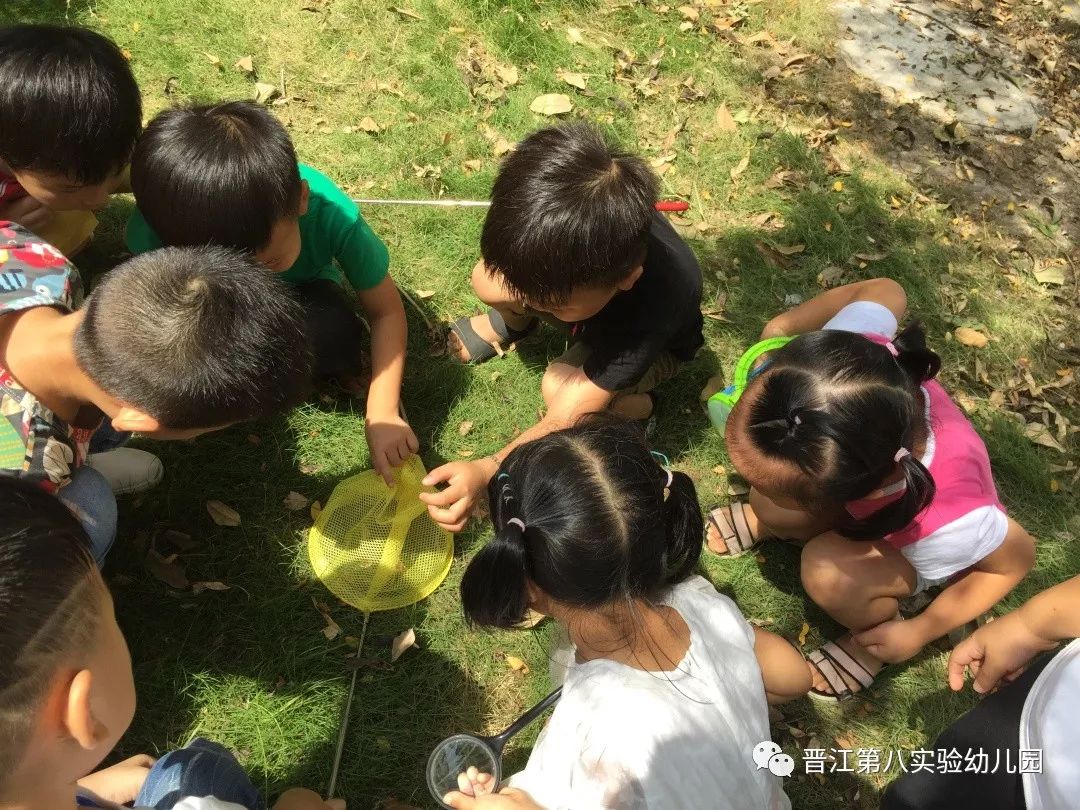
375 547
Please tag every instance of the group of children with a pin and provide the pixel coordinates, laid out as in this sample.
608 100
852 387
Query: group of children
248 267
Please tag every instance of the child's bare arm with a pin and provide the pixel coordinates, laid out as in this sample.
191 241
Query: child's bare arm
1001 649
984 587
301 799
784 670
815 313
390 438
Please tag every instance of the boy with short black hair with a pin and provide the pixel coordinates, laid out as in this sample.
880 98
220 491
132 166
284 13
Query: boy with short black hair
70 112
227 174
66 688
573 238
172 344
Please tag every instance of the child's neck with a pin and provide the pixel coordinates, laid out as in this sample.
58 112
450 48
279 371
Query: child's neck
653 638
38 794
38 348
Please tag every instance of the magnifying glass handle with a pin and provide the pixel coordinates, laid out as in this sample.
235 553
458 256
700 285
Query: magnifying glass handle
527 718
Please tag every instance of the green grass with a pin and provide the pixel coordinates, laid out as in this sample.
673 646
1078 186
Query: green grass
250 666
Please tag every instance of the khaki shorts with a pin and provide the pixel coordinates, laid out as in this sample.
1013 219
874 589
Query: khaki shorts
666 366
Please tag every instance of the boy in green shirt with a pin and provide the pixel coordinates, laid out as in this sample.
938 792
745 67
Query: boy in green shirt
227 174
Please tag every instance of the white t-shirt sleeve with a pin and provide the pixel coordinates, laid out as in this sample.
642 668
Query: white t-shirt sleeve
1048 725
958 545
864 317
204 803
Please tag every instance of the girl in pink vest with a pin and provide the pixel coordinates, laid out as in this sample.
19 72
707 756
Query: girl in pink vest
853 448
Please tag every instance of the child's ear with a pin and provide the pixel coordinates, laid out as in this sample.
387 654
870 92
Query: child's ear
305 196
133 420
78 713
631 278
538 600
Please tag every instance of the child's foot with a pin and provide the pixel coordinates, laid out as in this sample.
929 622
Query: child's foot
476 339
733 530
841 669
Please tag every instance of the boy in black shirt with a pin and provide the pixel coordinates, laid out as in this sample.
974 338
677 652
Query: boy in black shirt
573 238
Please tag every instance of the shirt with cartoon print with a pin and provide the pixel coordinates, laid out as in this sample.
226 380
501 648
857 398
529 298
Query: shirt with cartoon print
35 444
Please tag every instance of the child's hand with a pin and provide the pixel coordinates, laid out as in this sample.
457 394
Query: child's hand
28 212
120 783
391 441
996 651
509 799
465 482
893 641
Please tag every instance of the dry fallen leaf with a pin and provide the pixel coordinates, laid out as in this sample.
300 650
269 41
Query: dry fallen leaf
214 60
838 185
574 37
803 633
577 80
367 123
1053 274
406 12
790 250
167 570
316 510
740 167
423 295
508 75
517 665
690 13
551 104
265 92
222 514
970 337
401 643
1040 434
246 64
723 119
294 502
199 587
465 428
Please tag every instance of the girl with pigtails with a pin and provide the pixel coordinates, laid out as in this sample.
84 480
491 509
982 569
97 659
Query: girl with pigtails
667 693
852 447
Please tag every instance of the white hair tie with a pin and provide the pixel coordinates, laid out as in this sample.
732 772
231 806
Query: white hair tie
901 454
516 522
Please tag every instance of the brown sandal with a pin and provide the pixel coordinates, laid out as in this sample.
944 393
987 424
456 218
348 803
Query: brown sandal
730 521
833 662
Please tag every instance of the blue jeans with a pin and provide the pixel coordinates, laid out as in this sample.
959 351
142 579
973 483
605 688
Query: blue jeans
91 499
202 769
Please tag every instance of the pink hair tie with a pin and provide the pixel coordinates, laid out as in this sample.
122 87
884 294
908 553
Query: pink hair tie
891 348
516 522
902 453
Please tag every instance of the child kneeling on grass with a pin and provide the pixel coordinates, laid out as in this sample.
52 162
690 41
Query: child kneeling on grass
66 689
573 238
227 174
851 446
172 344
666 696
70 112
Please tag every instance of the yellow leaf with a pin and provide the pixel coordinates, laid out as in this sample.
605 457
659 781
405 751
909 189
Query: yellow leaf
517 665
316 510
551 104
724 120
970 337
245 64
214 60
740 167
803 633
368 124
574 37
574 79
406 12
827 226
1055 485
838 185
402 642
690 13
465 428
509 75
222 515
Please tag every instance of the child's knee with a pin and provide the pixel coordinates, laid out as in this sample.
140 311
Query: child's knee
487 287
822 572
554 377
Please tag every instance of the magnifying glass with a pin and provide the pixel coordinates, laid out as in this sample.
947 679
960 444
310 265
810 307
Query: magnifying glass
455 755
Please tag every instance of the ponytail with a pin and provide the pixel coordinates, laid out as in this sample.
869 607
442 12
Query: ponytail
683 527
919 490
493 589
912 355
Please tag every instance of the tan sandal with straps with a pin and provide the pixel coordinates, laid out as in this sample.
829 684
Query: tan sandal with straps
730 521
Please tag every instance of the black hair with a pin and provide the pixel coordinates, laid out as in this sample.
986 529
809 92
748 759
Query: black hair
220 174
69 103
47 608
196 337
830 414
567 211
601 524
